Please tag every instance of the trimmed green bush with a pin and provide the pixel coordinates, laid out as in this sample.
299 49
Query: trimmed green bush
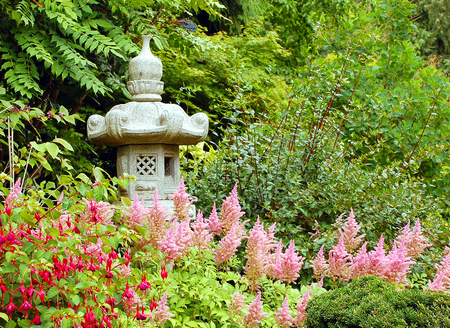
372 302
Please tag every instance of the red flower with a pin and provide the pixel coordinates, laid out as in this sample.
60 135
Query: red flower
163 272
36 321
10 308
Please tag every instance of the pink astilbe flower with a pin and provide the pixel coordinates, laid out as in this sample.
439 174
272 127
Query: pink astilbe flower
201 235
169 245
125 270
287 267
320 265
182 202
96 251
136 213
360 262
237 304
156 221
231 211
301 309
340 261
214 224
14 191
442 279
414 241
161 314
254 317
349 232
130 303
273 258
377 264
183 236
259 245
227 246
398 264
283 317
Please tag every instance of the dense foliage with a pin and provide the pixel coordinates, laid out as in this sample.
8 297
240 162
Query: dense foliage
372 302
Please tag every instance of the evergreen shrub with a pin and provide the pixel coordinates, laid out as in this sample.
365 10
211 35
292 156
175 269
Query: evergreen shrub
373 302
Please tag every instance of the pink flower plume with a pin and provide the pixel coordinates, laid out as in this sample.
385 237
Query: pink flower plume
231 210
254 317
283 317
320 265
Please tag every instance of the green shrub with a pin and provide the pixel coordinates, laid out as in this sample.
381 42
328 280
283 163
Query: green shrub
373 302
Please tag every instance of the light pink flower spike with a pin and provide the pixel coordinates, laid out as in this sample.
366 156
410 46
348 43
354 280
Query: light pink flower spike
168 244
231 210
398 264
287 268
161 314
227 246
442 279
236 305
283 317
259 245
254 317
320 265
182 202
136 212
14 191
301 309
415 242
350 231
214 224
201 235
340 261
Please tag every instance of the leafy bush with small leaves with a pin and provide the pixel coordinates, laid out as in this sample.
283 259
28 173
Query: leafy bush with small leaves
372 302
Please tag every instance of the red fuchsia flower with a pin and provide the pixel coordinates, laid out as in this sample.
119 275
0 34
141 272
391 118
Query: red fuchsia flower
93 267
139 315
144 285
3 288
22 289
36 321
127 257
153 304
8 210
31 290
10 308
40 294
127 293
164 273
90 317
26 306
107 321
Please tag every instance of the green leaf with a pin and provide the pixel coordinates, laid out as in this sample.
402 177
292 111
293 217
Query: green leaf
4 316
114 242
75 299
53 149
126 201
10 324
52 292
40 147
63 142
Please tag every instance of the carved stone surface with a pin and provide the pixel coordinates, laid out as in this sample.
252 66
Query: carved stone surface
153 166
147 131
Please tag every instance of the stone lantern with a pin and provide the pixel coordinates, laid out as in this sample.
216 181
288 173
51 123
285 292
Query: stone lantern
147 132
